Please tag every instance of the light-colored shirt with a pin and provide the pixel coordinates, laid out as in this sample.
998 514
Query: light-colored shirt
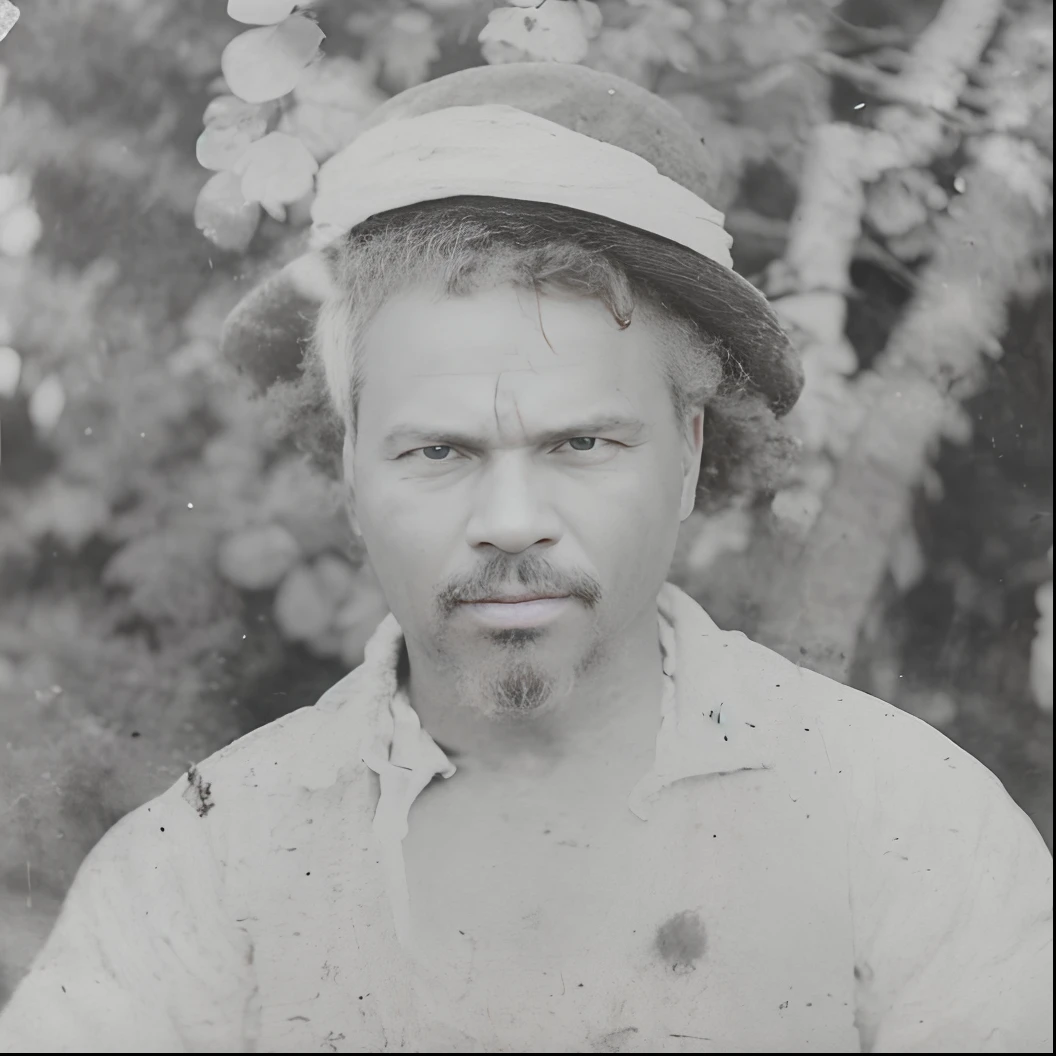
856 883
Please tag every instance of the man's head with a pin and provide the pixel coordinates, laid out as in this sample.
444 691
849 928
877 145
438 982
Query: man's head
518 419
509 253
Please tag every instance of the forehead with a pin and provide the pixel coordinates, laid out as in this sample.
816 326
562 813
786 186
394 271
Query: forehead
502 351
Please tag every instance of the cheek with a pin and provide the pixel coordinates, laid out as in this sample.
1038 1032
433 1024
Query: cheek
630 504
628 540
391 531
407 541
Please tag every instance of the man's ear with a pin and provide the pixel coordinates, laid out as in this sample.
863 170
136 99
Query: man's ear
693 448
348 453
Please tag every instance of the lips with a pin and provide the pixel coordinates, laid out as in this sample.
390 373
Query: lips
513 599
535 612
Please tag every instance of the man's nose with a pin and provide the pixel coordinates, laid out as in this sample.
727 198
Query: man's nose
512 508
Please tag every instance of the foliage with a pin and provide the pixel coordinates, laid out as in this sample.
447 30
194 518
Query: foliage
175 572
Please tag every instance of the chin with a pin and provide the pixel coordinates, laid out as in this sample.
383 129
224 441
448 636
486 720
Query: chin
518 690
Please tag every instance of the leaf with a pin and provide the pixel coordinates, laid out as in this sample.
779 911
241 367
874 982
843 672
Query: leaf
20 230
14 190
8 17
47 403
223 215
266 63
258 558
276 210
555 32
227 136
259 12
229 108
277 169
302 608
336 578
796 508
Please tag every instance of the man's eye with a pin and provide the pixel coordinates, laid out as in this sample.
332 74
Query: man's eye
592 440
430 451
437 452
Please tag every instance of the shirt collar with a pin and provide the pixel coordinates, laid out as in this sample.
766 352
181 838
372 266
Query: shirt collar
693 739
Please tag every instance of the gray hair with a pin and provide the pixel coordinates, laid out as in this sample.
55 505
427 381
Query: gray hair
460 253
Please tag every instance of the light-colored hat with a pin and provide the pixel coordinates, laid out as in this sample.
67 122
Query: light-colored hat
558 138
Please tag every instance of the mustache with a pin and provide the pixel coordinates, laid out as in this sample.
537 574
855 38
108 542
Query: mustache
530 575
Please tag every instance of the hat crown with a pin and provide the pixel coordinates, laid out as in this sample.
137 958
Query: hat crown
600 105
270 329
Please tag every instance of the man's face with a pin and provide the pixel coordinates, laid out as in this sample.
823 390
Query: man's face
488 462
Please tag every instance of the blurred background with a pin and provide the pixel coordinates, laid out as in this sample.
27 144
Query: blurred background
174 571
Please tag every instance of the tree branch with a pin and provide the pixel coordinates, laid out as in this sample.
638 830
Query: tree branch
935 358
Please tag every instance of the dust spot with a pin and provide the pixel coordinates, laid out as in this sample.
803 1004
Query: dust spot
198 792
681 940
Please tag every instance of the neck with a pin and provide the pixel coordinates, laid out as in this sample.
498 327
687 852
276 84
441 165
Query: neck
607 723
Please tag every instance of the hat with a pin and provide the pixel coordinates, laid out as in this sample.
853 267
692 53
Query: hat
562 136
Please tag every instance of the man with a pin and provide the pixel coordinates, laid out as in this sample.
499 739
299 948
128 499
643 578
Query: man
648 835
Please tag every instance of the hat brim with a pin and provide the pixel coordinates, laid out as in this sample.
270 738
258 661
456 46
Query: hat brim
269 332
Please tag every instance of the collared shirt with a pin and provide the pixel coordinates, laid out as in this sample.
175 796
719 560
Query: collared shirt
856 882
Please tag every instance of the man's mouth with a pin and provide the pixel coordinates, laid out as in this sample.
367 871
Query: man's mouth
526 611
513 599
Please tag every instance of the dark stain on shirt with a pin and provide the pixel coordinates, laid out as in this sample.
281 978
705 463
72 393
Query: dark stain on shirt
613 1041
681 941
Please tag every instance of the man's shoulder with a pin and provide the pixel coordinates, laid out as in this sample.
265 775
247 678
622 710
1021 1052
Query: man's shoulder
882 755
301 752
788 706
308 746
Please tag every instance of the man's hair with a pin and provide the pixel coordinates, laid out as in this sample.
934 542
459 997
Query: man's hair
460 246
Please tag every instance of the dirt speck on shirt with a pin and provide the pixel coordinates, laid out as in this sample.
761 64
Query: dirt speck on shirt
198 792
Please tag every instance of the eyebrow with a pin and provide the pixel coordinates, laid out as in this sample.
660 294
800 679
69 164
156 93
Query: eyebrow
411 434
